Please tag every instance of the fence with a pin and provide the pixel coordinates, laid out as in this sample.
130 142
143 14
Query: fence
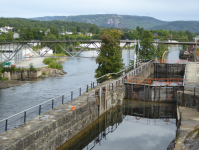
23 116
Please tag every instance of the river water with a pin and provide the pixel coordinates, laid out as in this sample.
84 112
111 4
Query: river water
80 71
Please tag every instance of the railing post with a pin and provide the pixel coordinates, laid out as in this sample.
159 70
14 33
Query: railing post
24 116
71 95
116 83
52 103
112 86
6 125
62 99
194 92
87 88
79 91
91 84
39 109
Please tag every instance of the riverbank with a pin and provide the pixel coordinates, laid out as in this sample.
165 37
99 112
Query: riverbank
16 78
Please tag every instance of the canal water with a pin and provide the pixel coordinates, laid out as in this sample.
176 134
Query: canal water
133 126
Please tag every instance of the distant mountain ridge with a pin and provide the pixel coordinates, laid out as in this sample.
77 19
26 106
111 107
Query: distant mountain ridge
127 21
109 20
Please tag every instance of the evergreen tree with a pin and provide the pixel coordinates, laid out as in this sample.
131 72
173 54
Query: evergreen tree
109 59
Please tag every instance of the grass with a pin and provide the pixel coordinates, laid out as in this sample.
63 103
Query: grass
43 73
52 64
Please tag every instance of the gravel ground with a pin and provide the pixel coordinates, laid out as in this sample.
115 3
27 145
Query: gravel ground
37 63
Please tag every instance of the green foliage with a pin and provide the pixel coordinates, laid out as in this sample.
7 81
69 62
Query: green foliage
160 50
148 50
109 59
10 35
31 67
52 64
185 47
43 73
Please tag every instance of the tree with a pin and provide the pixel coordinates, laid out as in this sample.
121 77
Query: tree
10 35
92 29
148 50
78 28
109 59
54 31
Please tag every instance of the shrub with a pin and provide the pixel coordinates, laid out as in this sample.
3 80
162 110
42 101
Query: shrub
31 67
43 73
52 64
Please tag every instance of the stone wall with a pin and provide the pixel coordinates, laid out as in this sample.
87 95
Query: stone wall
188 99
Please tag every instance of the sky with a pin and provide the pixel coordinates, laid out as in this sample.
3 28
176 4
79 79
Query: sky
166 10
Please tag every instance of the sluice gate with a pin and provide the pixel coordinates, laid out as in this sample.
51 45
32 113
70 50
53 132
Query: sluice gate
151 92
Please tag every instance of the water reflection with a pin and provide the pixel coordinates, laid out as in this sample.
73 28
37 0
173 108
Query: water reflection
136 125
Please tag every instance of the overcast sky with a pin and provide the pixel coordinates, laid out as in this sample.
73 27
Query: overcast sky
166 10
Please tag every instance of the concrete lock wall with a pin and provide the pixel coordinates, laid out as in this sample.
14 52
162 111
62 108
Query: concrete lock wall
188 99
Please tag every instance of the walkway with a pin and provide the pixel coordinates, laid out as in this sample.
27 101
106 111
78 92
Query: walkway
192 75
190 119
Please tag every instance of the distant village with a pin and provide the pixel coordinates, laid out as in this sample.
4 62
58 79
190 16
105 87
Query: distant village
6 29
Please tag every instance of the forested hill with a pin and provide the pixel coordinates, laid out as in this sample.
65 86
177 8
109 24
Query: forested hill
109 20
192 26
127 21
18 23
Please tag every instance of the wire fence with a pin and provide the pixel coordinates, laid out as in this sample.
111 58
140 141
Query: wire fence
25 115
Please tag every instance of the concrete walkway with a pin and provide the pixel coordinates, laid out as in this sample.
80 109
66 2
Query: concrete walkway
192 74
190 119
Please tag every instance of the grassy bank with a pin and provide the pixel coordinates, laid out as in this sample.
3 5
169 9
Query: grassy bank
51 62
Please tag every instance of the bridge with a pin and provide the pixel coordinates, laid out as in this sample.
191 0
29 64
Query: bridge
10 50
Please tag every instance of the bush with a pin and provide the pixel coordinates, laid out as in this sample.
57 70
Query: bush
52 64
31 67
43 73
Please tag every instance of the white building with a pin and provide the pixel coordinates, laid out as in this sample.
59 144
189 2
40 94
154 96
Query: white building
69 32
16 35
3 30
89 34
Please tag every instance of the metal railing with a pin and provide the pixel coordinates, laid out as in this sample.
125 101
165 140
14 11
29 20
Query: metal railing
25 115
184 78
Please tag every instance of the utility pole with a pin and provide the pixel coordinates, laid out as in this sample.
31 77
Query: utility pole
195 52
171 35
63 32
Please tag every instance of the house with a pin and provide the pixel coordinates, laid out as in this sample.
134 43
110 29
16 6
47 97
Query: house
131 31
8 28
69 32
45 50
89 34
3 30
79 33
62 33
155 34
16 35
